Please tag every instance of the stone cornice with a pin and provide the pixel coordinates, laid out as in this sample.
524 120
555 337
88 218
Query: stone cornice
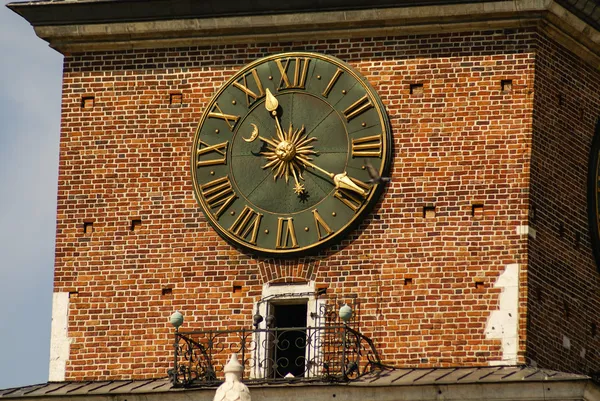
556 20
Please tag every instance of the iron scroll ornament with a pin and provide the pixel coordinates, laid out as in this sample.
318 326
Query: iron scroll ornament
280 156
594 195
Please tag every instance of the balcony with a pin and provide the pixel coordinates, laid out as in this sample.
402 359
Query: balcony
331 353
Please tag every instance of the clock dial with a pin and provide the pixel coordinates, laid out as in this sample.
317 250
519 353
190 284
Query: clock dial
594 195
279 160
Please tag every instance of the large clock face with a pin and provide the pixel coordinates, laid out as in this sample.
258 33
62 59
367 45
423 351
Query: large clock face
285 154
594 195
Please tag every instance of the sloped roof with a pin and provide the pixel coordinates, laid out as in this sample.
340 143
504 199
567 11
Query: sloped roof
385 378
61 12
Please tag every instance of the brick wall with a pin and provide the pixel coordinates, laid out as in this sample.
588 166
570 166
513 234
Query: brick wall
564 293
132 245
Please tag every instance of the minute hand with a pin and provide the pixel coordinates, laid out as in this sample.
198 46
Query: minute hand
340 180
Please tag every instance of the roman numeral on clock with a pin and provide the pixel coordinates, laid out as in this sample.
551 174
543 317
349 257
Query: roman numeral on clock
357 108
218 193
332 82
351 198
246 224
219 150
286 235
320 223
368 146
230 119
251 96
300 71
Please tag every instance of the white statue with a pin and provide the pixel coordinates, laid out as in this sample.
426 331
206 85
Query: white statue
232 389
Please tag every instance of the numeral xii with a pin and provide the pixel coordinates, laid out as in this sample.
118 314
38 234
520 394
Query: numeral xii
296 76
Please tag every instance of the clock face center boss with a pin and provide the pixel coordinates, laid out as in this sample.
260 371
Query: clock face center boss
284 155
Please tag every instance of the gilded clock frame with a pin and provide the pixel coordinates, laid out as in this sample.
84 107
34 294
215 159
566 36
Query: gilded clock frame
367 205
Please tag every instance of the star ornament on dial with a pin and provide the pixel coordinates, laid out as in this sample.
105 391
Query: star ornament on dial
280 156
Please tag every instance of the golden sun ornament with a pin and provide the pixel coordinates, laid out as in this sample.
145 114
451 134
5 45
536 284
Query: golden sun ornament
288 154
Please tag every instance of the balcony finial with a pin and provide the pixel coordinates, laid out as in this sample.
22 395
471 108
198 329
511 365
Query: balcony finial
233 389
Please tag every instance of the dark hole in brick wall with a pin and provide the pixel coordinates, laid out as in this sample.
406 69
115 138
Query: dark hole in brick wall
479 285
167 291
477 210
408 281
88 227
321 290
73 294
561 229
506 85
416 89
237 289
429 212
566 310
176 98
532 214
136 224
87 102
577 240
594 330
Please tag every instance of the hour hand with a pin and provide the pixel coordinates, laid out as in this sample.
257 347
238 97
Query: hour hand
341 180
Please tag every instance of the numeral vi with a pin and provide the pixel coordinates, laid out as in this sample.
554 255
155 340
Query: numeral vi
286 235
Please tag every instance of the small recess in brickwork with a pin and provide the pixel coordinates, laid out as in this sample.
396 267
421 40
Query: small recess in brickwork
88 227
136 224
567 310
87 102
167 291
477 210
176 98
416 89
594 330
561 229
73 294
321 290
237 289
479 284
577 240
429 212
506 85
532 214
408 281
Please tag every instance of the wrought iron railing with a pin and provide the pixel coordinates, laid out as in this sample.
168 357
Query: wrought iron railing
329 353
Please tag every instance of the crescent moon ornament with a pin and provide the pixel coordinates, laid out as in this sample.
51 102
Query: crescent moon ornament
253 135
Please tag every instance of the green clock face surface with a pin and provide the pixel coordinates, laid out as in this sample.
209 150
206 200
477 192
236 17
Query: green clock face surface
287 155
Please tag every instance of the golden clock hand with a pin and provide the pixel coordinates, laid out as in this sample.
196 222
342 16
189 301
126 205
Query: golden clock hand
271 104
341 180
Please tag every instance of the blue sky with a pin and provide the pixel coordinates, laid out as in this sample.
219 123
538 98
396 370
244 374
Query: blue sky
30 86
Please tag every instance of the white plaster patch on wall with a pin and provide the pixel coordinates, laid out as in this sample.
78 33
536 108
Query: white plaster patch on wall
59 340
503 323
526 230
566 342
